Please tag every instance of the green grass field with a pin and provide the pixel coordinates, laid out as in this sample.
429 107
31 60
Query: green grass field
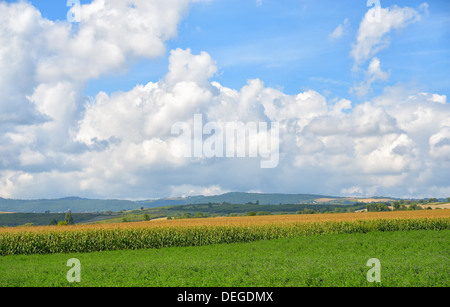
408 258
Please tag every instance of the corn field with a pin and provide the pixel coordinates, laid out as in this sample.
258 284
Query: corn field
84 239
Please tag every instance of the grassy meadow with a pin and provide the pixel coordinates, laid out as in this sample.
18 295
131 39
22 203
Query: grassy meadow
408 259
286 250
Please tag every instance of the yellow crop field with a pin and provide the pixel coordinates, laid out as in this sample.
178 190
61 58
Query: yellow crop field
244 220
196 232
302 218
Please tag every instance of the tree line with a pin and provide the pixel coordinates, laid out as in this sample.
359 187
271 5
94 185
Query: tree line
402 204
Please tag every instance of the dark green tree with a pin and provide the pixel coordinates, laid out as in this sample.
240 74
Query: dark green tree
377 207
69 218
396 205
187 216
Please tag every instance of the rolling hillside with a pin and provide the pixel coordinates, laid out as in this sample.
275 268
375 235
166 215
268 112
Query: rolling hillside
74 204
83 205
244 198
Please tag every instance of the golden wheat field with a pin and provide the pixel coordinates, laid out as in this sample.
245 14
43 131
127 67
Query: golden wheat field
244 221
197 232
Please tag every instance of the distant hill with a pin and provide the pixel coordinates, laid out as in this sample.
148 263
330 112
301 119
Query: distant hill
83 205
243 198
261 198
43 219
74 204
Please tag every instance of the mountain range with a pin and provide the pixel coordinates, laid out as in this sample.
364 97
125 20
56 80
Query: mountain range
83 205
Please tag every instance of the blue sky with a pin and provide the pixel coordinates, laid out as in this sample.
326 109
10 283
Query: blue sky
286 44
86 108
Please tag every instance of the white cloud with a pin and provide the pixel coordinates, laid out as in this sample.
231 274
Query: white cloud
185 67
340 30
192 190
374 73
120 145
146 111
439 98
378 146
44 67
373 35
440 144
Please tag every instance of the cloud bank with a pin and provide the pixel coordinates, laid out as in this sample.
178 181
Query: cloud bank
56 142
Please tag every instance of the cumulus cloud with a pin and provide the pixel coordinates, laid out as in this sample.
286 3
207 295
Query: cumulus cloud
55 142
380 145
39 55
99 47
44 67
374 73
373 34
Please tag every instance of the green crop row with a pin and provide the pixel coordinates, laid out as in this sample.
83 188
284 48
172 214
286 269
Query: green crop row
83 241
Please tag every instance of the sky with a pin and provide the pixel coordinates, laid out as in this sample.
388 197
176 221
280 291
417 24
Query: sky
358 91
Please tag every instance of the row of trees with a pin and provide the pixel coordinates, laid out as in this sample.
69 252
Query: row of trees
262 213
68 220
372 207
199 215
418 202
378 207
